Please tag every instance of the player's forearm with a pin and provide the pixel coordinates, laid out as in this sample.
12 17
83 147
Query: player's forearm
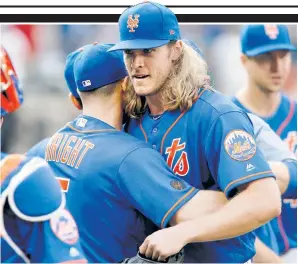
264 254
286 177
281 172
250 209
204 202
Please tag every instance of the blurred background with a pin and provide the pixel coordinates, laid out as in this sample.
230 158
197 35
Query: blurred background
39 52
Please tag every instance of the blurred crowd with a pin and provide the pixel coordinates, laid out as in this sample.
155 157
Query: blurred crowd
39 53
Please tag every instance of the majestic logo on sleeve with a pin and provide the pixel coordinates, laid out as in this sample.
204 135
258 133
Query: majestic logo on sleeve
181 167
132 22
240 145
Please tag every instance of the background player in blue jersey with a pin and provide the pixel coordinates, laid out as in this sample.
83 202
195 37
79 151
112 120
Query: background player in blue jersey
204 137
32 204
267 60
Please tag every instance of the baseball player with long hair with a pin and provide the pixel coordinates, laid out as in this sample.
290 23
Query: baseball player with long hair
275 152
203 136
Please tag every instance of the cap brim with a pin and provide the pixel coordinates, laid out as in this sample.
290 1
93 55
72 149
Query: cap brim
134 44
264 49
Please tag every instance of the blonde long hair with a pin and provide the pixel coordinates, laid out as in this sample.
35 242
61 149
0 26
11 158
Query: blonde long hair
180 90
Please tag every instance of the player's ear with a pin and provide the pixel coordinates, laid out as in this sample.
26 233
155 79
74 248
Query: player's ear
75 101
243 59
124 84
176 50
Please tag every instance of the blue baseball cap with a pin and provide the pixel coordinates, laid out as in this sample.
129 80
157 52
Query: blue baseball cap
194 46
95 67
68 70
146 25
259 39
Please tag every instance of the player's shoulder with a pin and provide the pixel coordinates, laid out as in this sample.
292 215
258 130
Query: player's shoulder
258 124
288 104
129 142
212 104
39 148
30 186
257 121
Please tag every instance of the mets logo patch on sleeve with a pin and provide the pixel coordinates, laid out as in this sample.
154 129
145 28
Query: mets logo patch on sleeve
240 145
178 185
65 227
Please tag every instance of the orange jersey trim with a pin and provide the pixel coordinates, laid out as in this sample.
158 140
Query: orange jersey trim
287 120
176 204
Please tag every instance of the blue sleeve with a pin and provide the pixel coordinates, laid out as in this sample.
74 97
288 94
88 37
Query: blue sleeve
291 191
36 218
52 241
232 153
150 186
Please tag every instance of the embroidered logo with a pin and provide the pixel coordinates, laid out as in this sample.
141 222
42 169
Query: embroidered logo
178 185
181 167
81 122
250 167
271 31
64 227
86 83
132 23
240 145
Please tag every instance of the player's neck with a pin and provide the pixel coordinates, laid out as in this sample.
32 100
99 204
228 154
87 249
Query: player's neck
155 104
259 102
107 111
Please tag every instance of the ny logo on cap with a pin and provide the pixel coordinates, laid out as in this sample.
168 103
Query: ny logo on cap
271 31
132 22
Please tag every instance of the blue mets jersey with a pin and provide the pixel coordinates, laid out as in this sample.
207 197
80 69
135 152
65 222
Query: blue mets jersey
284 123
36 227
211 146
111 181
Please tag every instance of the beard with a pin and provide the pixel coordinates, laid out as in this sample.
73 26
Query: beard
164 83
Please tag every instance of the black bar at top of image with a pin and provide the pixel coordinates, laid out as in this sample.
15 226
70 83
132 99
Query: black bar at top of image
170 6
187 18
